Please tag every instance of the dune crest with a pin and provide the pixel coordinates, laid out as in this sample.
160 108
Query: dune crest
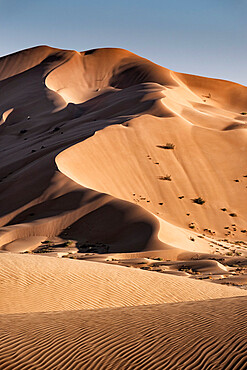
39 284
137 176
68 96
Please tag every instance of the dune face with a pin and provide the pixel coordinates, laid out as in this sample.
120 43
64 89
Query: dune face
110 158
135 108
41 284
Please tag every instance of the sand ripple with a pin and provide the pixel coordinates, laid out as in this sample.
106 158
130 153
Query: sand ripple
195 335
36 283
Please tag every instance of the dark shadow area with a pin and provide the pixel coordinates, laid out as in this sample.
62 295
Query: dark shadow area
54 207
91 51
111 227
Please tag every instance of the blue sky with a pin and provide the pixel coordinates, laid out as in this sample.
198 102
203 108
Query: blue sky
206 38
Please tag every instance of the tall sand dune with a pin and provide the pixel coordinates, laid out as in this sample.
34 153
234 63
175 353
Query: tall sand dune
66 97
108 157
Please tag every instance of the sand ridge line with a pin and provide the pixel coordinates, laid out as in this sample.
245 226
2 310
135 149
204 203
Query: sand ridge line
67 96
28 284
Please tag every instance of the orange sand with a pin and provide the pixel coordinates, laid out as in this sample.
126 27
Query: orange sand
108 149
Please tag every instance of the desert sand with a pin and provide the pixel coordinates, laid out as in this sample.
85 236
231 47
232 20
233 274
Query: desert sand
136 177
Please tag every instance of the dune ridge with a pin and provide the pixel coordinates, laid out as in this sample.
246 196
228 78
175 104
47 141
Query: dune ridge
40 283
68 96
112 159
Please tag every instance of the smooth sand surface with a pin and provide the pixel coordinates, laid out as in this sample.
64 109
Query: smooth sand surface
110 158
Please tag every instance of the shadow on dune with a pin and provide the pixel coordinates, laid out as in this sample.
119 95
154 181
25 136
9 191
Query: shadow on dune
54 207
119 225
235 126
51 99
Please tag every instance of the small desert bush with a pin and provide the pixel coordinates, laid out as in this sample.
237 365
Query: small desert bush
42 250
166 178
68 243
198 200
167 146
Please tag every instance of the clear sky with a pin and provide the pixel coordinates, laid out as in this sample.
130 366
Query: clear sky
203 37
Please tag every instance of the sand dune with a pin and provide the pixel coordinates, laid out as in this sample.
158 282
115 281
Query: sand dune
67 96
110 158
37 283
137 172
196 335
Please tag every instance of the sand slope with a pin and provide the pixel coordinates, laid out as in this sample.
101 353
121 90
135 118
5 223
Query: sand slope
37 283
105 148
195 335
196 167
66 97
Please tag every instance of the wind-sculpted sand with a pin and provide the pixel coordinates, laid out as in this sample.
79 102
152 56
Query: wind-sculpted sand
138 176
37 284
53 100
192 335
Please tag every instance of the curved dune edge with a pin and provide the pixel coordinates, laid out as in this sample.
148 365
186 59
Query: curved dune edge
107 315
67 96
195 335
36 283
127 163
